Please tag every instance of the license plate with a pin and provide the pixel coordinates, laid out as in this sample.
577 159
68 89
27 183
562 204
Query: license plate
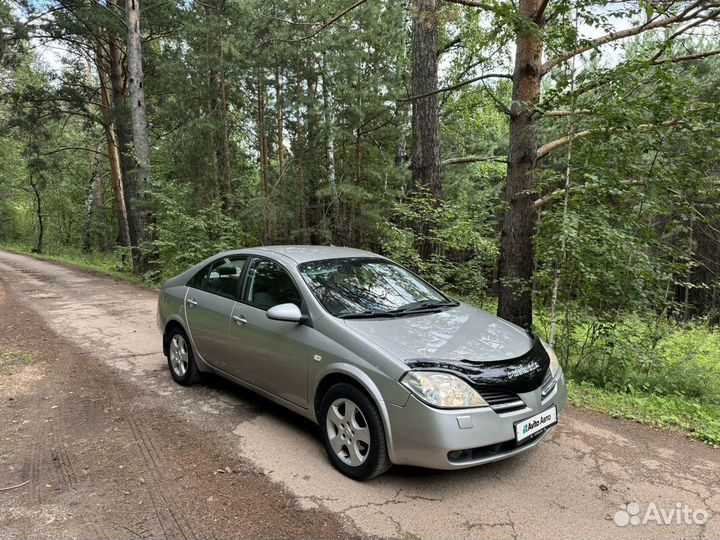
530 426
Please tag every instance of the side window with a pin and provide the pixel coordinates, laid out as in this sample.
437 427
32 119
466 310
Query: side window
269 284
224 276
198 280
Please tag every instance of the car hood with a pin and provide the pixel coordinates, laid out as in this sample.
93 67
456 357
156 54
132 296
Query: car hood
458 333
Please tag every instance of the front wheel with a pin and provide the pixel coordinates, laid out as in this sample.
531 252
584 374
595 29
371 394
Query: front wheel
352 432
181 359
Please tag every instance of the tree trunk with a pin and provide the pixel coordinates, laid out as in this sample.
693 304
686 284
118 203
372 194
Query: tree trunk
264 159
401 157
40 217
566 202
519 222
425 162
227 201
300 153
137 184
280 120
425 110
336 226
281 184
90 201
353 229
112 151
119 110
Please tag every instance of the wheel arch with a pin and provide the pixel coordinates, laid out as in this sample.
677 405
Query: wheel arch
339 373
169 326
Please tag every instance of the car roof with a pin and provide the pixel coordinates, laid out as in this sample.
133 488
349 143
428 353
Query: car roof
301 254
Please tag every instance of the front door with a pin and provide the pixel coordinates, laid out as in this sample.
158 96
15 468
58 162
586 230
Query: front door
272 355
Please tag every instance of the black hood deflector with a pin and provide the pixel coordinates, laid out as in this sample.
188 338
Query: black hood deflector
524 373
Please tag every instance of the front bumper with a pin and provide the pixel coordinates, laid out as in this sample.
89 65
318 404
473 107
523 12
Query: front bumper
423 436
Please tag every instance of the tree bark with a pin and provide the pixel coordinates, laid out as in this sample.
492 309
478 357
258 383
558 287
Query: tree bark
425 110
112 150
300 155
226 158
280 120
426 159
336 226
519 222
119 110
264 158
39 214
137 185
401 157
90 201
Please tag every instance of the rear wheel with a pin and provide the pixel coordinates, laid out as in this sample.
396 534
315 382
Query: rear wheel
353 433
181 359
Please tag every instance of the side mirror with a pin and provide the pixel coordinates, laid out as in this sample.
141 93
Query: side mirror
286 313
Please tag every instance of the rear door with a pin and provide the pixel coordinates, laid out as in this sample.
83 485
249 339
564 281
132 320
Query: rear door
209 304
272 355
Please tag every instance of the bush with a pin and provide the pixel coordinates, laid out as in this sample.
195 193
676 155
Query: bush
463 254
635 353
203 232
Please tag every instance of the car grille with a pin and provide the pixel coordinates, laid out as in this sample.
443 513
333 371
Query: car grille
502 400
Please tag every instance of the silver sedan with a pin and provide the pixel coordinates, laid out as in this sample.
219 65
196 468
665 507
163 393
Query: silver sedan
393 370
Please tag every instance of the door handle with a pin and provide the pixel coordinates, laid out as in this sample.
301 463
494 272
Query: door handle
239 320
192 302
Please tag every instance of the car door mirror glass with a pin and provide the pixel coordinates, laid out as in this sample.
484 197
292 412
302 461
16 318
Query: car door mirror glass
286 313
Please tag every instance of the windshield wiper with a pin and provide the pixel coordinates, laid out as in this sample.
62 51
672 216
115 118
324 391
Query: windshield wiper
425 306
368 315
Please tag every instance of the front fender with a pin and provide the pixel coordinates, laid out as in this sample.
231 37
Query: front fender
358 375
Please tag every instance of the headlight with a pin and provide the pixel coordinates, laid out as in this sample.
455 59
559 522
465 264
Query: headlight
442 390
555 368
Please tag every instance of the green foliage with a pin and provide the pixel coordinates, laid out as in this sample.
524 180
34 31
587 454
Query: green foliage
182 238
464 253
16 355
636 353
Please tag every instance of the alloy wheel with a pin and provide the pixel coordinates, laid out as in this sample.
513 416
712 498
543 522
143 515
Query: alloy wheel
348 432
179 356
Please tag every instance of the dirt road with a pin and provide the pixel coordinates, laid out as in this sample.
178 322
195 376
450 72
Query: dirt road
112 448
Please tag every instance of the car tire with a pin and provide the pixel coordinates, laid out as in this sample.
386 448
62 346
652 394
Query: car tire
181 358
352 432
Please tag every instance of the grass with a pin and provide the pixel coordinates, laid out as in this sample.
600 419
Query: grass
701 420
15 355
11 359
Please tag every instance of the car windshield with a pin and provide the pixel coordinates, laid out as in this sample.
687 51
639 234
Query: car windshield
369 288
